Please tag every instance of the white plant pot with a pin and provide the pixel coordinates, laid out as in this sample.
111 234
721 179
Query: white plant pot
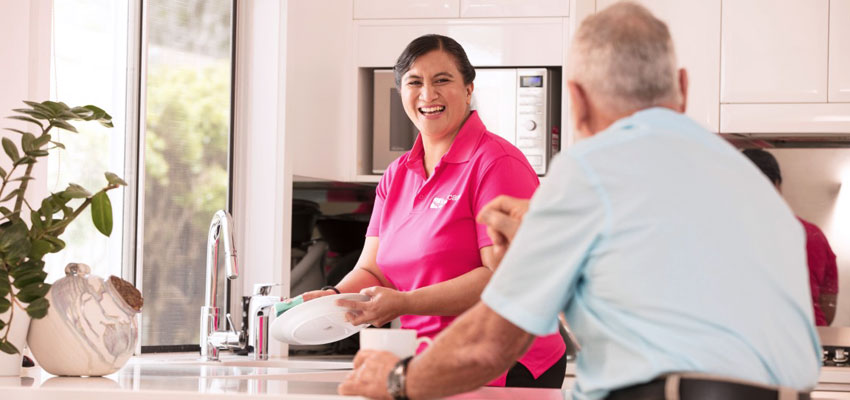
10 364
89 329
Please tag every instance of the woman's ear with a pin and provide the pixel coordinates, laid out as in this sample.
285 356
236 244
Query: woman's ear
469 89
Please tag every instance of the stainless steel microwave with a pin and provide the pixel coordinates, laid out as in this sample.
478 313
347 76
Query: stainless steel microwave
522 105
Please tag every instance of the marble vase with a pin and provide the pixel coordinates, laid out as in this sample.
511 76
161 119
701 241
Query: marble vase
90 328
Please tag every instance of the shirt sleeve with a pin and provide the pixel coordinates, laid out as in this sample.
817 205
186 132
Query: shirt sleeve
567 218
381 191
505 176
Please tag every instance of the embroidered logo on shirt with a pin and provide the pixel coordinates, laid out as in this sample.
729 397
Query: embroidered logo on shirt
440 202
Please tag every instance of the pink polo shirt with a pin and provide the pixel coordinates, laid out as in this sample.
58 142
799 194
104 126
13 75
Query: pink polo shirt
427 227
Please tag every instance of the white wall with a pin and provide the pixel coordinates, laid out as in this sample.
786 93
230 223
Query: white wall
812 184
24 72
259 180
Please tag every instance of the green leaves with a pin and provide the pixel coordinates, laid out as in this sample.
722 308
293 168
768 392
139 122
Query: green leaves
28 273
9 196
7 347
38 308
97 114
41 141
114 179
14 243
5 289
12 234
23 244
10 149
63 125
101 213
75 191
33 292
27 119
39 248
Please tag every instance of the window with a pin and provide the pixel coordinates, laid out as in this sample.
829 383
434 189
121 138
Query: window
186 152
88 66
163 69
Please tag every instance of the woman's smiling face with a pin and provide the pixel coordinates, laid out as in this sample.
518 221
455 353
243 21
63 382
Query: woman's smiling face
434 95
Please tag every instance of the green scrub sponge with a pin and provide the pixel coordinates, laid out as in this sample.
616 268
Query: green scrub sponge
279 308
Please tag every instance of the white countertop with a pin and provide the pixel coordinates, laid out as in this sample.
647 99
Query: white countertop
183 376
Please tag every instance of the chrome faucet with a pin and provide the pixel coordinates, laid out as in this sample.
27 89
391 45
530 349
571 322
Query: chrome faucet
260 308
212 337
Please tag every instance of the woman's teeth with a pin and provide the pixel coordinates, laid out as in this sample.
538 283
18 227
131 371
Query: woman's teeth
431 110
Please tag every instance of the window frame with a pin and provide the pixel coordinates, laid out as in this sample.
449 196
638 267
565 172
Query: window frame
133 266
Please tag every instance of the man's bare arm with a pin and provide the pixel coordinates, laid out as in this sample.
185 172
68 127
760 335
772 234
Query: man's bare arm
478 347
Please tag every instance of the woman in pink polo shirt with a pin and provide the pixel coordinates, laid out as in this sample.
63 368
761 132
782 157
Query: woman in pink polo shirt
425 259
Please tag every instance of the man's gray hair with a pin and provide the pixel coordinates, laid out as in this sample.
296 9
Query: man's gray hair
623 57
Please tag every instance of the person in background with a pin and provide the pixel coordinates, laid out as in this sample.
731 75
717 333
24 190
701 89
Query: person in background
425 258
679 268
823 271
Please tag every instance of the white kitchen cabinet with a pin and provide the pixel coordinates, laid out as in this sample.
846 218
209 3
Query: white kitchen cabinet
800 119
389 9
839 51
512 42
318 87
774 51
695 28
514 8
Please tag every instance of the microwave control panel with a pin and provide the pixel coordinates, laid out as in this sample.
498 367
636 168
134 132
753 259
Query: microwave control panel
531 117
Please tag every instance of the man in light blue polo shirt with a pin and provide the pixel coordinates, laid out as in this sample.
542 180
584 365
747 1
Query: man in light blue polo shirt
667 250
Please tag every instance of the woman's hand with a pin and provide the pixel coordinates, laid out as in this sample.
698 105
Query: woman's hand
315 294
384 305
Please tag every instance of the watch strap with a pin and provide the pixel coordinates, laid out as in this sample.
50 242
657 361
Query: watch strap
396 381
330 288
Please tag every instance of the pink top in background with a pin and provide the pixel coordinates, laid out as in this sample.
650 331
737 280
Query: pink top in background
427 227
823 271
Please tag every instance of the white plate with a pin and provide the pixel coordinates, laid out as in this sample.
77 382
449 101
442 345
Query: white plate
317 321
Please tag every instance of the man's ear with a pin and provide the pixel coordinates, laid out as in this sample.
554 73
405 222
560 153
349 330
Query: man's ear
469 89
580 107
683 87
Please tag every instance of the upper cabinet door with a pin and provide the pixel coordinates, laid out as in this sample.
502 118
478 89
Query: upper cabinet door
839 51
388 9
514 8
774 51
695 28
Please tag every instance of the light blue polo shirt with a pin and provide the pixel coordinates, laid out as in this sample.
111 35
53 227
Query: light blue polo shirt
668 251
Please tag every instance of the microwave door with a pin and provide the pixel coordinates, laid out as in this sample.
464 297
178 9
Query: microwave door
393 133
494 97
402 130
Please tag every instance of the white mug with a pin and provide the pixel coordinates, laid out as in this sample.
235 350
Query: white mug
401 342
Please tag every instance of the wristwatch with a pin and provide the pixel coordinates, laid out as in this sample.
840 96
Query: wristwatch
396 379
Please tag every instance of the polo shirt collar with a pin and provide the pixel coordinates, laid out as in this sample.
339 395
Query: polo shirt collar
462 147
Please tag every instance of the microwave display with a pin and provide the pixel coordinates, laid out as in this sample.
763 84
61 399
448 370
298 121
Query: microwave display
531 81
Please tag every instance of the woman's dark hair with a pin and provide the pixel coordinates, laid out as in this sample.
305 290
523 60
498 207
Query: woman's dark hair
426 44
767 163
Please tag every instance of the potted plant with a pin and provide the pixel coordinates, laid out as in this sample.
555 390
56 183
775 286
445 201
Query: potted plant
30 231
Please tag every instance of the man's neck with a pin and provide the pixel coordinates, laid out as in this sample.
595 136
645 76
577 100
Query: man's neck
601 119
